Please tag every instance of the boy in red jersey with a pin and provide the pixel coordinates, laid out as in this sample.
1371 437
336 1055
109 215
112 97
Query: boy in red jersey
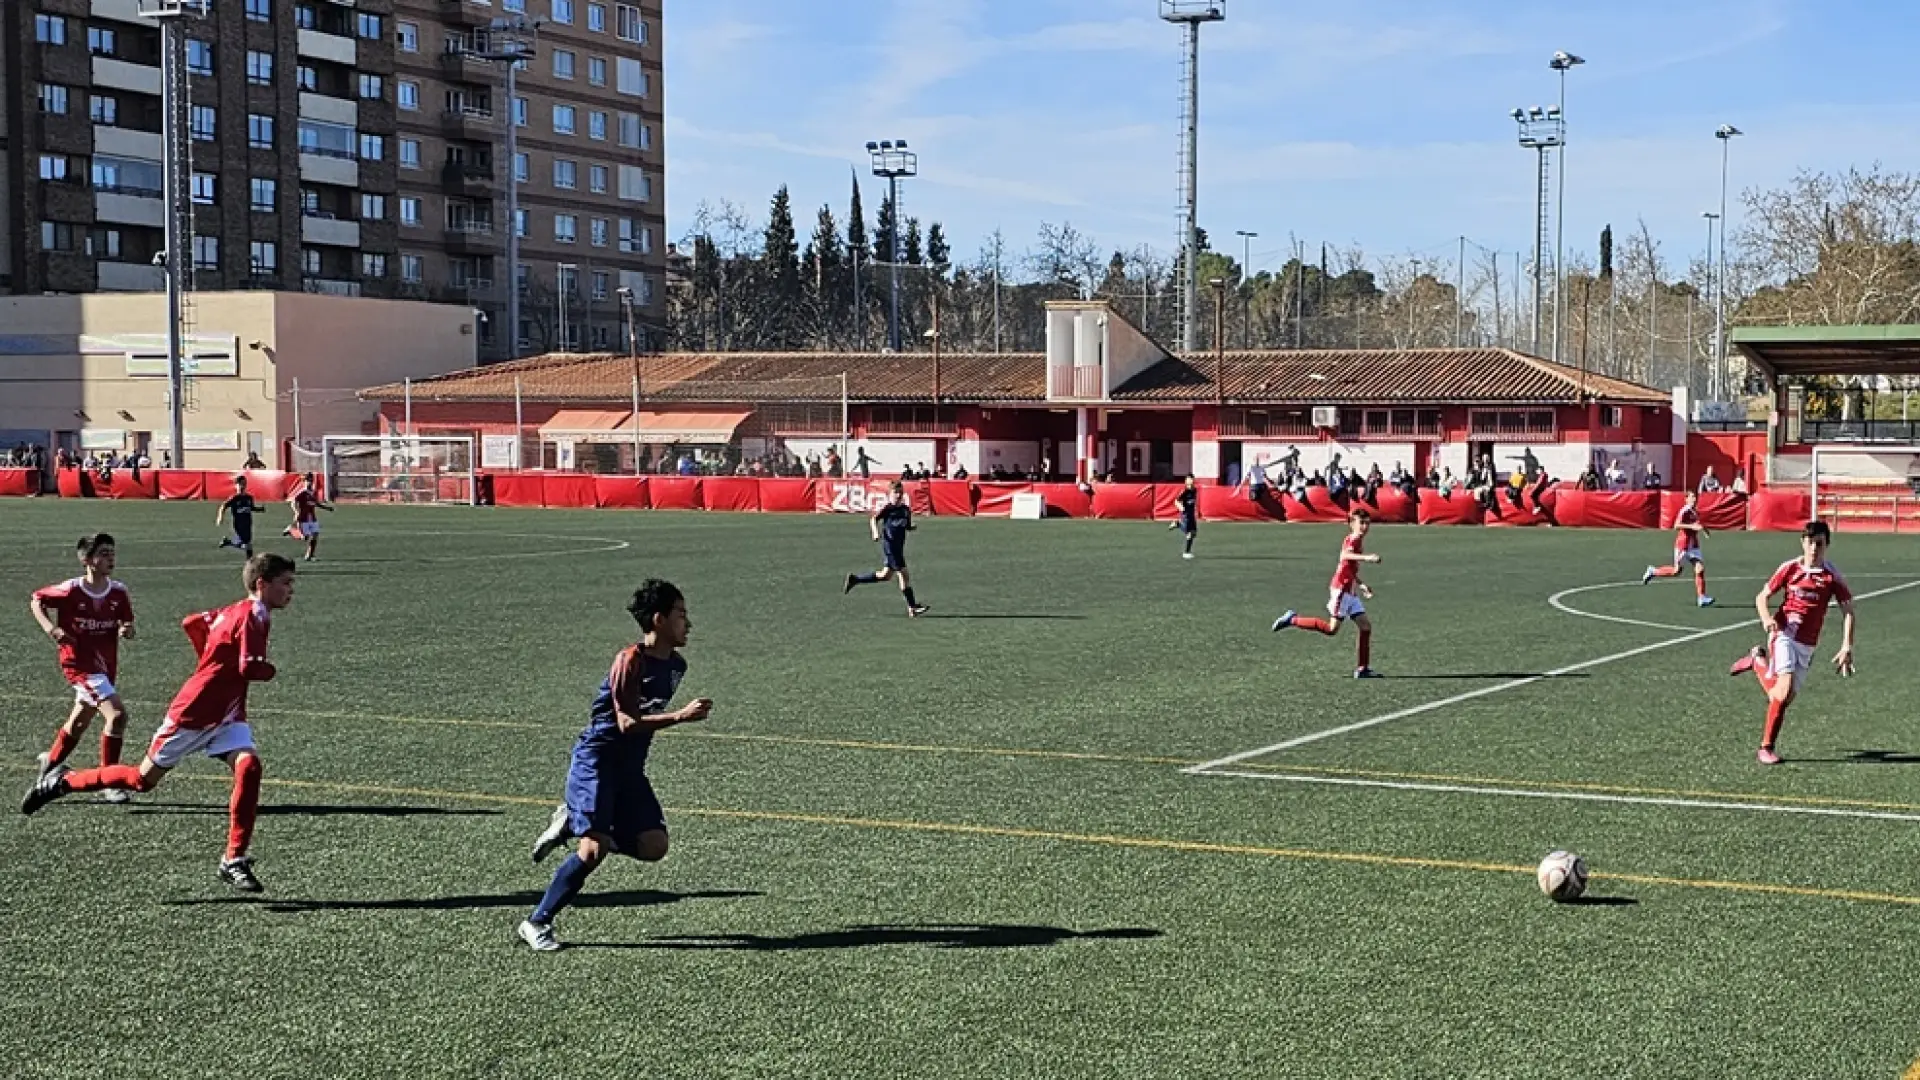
1810 584
86 617
1344 594
209 714
1686 549
306 521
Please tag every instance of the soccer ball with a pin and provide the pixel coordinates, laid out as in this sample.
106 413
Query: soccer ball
1562 876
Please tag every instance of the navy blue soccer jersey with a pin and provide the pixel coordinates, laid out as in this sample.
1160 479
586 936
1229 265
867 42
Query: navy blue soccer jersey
1188 501
895 520
643 686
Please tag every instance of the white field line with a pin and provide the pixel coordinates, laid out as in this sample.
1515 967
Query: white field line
1401 714
1576 796
1554 602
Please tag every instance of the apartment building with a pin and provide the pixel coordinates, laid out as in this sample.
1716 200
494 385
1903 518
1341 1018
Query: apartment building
348 147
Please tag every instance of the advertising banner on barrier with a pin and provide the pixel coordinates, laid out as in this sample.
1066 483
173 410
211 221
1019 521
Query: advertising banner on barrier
857 496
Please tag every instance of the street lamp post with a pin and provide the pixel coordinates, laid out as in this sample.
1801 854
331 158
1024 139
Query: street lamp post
633 357
1713 378
893 162
1246 286
1725 134
1562 62
1219 339
1541 130
516 50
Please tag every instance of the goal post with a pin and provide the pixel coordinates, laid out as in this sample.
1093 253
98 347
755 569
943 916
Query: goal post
395 468
1866 488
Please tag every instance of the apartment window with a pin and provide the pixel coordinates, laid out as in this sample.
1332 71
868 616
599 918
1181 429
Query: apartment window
634 186
563 11
259 131
263 257
521 278
371 26
406 37
600 282
373 87
260 10
563 118
630 129
630 78
307 78
203 186
563 63
597 126
597 70
409 211
259 68
410 267
646 136
635 238
53 167
522 168
597 18
519 112
309 202
263 194
57 236
102 41
53 99
128 176
373 207
206 253
373 148
514 5
201 123
629 25
199 57
310 261
408 95
104 243
597 231
520 219
409 153
373 266
49 29
597 179
566 174
104 109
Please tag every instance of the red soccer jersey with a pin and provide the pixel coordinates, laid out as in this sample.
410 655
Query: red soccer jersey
1683 538
1809 590
233 652
1347 574
303 506
92 623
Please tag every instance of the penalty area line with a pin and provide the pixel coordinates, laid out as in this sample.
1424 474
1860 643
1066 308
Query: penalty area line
1512 684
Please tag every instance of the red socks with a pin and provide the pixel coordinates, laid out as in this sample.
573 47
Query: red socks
244 804
124 777
1366 648
109 749
1699 584
63 744
1666 571
1325 626
1776 713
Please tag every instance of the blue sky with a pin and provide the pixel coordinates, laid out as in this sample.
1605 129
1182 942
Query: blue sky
1381 123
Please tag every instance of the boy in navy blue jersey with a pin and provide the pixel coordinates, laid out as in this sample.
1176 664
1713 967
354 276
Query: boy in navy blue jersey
1189 503
609 804
891 523
241 506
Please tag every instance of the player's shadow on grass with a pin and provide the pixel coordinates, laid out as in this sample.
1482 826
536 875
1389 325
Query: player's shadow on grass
1869 757
995 615
1602 901
314 810
1492 675
932 936
525 898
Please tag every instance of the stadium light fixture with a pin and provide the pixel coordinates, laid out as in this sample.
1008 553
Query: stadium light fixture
893 162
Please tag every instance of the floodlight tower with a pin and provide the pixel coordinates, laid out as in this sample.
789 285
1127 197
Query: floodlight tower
1726 134
513 49
176 169
1190 14
1541 130
1562 62
893 162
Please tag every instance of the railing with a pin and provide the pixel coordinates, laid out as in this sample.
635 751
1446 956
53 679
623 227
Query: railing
1727 425
329 152
1261 424
129 189
1075 381
332 287
1859 431
471 228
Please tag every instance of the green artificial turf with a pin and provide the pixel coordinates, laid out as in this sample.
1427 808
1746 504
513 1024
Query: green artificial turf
964 846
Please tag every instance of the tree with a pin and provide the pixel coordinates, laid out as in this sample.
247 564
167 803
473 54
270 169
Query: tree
886 246
939 253
1066 260
822 272
910 252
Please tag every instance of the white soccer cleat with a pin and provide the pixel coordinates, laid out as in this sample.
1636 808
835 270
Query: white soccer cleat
116 796
1186 554
1705 601
539 938
1648 576
554 835
42 763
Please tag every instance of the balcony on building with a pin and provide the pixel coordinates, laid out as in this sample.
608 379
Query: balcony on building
465 13
473 122
330 232
117 74
329 109
462 59
326 33
126 11
128 143
131 277
331 286
468 176
474 236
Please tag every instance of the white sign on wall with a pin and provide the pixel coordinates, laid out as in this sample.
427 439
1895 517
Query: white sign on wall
499 452
200 440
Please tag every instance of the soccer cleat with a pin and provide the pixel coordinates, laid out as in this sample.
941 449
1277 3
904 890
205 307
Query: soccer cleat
42 763
1745 663
239 874
1367 673
555 833
1186 554
539 938
1648 576
1705 601
852 580
1768 757
914 611
1285 620
116 796
50 786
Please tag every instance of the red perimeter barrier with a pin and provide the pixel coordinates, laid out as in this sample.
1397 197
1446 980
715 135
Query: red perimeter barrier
1065 500
1317 507
856 496
126 487
1504 511
17 482
1123 502
218 486
996 499
181 483
1608 509
73 483
568 491
1461 509
1720 511
674 492
620 492
737 493
1166 504
518 489
1232 504
1396 507
1785 511
791 495
943 498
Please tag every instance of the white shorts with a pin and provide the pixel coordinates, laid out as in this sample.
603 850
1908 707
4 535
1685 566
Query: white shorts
94 691
1684 555
308 529
173 744
1344 605
1787 656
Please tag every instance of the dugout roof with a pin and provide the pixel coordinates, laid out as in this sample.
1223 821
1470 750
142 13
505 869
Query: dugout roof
1794 352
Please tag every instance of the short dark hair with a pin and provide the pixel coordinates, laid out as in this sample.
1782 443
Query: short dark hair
1359 514
89 546
265 566
1817 530
652 600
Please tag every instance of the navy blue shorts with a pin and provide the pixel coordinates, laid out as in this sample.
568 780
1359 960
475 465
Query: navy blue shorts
620 810
893 558
243 529
1189 524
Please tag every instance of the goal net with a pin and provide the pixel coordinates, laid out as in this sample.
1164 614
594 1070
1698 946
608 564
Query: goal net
392 468
1866 489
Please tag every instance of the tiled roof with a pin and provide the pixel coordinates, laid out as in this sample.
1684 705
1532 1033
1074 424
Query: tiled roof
726 377
1385 376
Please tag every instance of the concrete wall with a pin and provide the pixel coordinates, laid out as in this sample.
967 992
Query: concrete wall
335 345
